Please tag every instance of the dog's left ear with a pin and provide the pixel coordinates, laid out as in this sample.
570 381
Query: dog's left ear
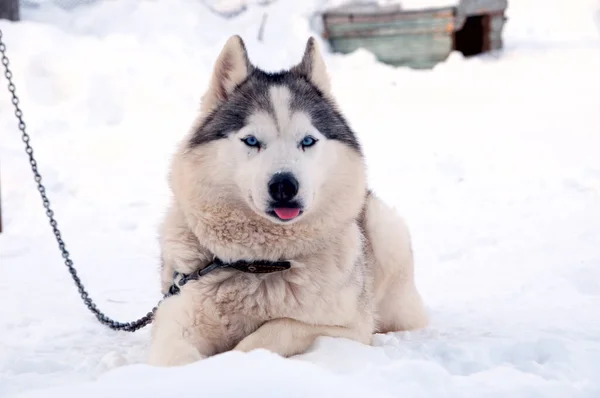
313 67
231 68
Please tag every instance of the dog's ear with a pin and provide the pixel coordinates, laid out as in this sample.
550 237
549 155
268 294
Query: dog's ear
231 68
313 67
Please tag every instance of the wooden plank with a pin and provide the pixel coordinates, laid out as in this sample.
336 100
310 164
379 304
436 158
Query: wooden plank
479 7
398 27
415 38
417 51
422 20
398 30
0 205
497 23
496 26
335 18
9 9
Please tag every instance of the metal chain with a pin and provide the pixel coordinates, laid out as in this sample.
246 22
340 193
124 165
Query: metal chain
127 327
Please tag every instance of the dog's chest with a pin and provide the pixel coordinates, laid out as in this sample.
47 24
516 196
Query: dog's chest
296 293
259 296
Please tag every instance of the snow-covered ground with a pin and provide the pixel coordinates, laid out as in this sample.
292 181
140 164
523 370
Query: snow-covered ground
494 161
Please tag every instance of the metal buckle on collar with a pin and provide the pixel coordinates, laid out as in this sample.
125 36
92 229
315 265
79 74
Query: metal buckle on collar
252 267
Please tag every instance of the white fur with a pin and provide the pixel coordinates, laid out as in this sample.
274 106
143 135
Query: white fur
352 265
281 136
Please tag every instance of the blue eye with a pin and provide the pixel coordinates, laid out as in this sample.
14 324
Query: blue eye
251 141
308 141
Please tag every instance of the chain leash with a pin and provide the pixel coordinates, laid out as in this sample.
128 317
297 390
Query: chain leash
114 325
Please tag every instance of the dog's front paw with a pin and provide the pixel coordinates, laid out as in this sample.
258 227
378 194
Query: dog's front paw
174 355
272 336
255 341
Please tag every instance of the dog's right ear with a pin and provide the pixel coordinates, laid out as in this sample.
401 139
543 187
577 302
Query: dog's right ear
313 66
231 69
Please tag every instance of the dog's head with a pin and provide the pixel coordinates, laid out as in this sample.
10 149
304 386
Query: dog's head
271 144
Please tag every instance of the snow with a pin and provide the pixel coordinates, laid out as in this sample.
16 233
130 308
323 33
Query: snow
492 160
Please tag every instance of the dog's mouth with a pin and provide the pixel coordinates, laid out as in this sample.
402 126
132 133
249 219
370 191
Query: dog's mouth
285 211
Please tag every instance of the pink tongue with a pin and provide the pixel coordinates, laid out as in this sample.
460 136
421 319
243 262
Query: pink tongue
286 213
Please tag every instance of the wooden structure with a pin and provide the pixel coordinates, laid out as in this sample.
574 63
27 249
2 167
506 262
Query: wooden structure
418 38
9 9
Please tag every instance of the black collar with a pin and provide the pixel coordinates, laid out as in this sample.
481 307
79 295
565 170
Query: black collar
252 267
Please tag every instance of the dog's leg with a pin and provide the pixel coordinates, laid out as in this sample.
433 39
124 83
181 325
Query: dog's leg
175 333
398 303
180 249
288 337
173 336
187 327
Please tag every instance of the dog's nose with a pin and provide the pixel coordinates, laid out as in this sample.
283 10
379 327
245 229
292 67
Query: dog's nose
283 187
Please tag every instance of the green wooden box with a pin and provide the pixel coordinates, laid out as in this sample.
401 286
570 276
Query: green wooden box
419 39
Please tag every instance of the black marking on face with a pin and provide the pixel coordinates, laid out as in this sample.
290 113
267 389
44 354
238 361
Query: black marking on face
253 95
307 98
232 115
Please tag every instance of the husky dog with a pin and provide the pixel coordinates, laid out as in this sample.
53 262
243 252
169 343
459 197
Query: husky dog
271 171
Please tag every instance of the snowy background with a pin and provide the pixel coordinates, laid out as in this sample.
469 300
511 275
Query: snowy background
494 161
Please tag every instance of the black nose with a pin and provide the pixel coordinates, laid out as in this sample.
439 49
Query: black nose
283 187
